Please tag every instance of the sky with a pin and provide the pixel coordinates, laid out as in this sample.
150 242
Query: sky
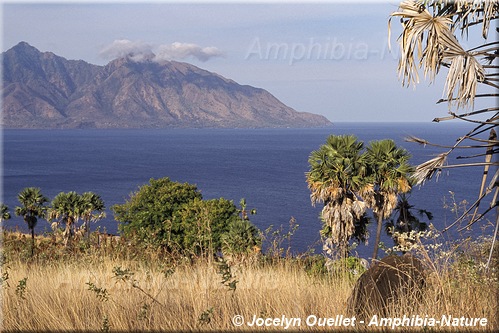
327 57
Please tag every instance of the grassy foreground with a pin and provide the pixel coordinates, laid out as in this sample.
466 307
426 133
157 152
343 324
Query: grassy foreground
110 288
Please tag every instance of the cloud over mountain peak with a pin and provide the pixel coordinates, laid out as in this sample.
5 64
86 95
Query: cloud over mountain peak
140 51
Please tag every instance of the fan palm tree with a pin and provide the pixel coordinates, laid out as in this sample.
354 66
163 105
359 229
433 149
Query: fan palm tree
32 207
92 210
336 175
406 220
428 41
67 208
4 213
389 174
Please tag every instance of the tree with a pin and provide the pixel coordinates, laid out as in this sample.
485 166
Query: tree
147 215
388 175
203 223
4 212
32 207
336 175
241 238
92 210
428 42
67 208
174 216
406 221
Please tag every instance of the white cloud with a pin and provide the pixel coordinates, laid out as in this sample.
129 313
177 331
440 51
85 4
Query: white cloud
185 50
139 51
123 47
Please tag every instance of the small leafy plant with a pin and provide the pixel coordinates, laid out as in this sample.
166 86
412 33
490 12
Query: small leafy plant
225 271
206 317
21 288
101 293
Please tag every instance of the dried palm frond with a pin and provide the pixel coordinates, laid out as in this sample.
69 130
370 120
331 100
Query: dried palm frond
415 139
323 192
464 73
455 146
403 185
468 114
435 34
367 194
390 200
338 216
473 12
359 208
427 170
418 23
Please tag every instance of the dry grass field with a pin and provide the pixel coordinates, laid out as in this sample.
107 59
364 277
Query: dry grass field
102 290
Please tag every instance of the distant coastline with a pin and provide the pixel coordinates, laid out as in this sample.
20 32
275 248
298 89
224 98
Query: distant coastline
43 90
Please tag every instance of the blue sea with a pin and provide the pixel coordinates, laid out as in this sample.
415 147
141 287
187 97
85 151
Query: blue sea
265 166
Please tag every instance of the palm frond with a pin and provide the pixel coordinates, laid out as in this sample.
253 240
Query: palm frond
430 39
473 12
418 23
465 72
425 171
415 139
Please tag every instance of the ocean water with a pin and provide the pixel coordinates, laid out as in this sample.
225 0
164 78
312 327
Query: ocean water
265 166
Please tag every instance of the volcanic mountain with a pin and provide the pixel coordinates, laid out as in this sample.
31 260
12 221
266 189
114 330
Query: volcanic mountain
43 90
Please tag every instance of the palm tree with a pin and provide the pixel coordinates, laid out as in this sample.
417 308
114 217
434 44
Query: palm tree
67 208
389 174
336 175
32 207
429 41
92 210
406 221
4 213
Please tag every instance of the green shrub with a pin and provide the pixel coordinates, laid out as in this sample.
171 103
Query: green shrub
351 266
241 238
147 215
174 216
201 224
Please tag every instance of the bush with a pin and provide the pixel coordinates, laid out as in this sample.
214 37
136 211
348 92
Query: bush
174 216
202 223
241 238
147 215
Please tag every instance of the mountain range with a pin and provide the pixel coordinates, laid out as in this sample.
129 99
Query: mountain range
43 90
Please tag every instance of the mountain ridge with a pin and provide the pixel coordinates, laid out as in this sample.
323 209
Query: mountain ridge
44 90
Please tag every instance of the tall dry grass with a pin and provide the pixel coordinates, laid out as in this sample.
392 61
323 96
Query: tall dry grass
58 297
95 292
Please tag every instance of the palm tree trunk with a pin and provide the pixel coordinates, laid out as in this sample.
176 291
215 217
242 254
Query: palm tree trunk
378 236
343 250
32 241
68 232
87 230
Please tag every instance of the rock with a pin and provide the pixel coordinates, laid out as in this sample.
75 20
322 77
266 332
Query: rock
390 282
